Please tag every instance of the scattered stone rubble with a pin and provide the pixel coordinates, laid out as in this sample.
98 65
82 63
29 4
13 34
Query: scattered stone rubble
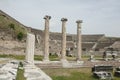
117 72
8 71
103 72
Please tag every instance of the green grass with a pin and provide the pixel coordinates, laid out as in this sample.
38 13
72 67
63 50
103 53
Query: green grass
38 57
20 72
22 57
20 75
52 57
18 57
58 74
72 74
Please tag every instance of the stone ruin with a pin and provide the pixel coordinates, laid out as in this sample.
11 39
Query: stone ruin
96 42
8 71
110 52
64 43
30 46
103 72
30 68
31 43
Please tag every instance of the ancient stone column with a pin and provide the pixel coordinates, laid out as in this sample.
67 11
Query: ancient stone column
63 52
79 39
46 38
30 48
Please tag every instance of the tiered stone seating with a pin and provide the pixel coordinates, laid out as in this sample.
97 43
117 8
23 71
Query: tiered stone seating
58 36
87 45
54 46
36 31
91 38
116 45
103 45
55 36
70 44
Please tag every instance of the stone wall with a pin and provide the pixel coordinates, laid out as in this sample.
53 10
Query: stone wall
5 34
12 47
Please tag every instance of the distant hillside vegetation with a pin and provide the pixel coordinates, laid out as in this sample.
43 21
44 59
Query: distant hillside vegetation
9 24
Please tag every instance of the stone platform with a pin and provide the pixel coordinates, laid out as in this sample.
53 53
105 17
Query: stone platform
31 72
58 64
74 64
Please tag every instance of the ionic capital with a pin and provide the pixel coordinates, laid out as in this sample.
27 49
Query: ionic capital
47 17
79 21
64 19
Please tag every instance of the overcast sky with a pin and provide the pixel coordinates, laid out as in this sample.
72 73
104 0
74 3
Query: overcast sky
99 16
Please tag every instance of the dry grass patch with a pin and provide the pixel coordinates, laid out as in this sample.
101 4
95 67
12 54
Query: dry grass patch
71 74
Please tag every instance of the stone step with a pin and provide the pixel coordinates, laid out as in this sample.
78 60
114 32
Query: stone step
51 64
58 65
74 64
31 72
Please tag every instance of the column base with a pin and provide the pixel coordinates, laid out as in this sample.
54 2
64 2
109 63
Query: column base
65 63
63 60
46 60
80 62
29 62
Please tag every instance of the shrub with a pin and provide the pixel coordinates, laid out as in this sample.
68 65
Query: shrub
20 64
12 26
20 36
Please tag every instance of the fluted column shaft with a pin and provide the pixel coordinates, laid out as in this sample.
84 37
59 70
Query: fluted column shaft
46 38
63 56
30 46
79 40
